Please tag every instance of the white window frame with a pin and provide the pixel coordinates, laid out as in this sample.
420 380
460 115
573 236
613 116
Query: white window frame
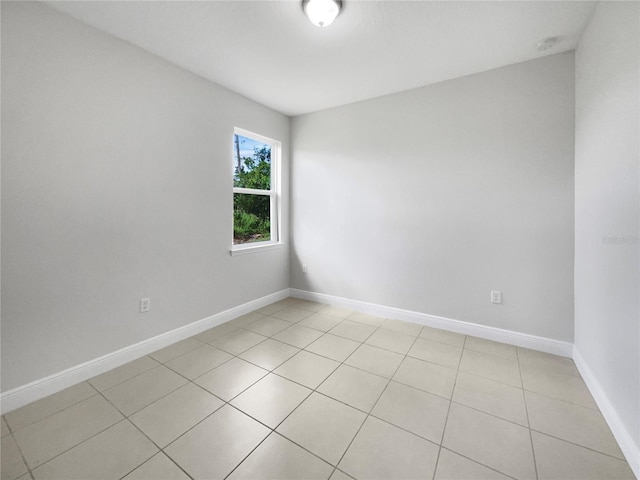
274 193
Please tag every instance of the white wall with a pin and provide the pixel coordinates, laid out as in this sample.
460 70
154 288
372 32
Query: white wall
607 260
116 185
427 200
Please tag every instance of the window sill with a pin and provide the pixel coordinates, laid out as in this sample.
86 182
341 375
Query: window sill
243 250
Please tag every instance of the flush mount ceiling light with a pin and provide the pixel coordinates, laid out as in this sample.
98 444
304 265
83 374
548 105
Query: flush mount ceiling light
322 12
547 43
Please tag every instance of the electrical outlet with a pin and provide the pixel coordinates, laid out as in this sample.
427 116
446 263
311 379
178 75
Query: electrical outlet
496 296
145 305
304 268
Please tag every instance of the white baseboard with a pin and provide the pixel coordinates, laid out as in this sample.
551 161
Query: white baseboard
17 397
625 440
548 345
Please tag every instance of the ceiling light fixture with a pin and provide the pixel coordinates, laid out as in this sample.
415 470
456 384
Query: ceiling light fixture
547 43
322 13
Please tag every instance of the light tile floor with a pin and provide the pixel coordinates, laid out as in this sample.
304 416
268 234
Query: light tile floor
300 390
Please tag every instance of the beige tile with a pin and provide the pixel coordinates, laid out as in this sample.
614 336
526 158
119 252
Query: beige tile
271 399
199 361
339 312
214 447
122 374
436 352
288 302
231 378
307 369
560 460
43 440
321 322
367 319
166 419
491 366
547 362
308 305
140 391
298 336
390 340
292 314
111 454
269 354
270 309
492 348
278 458
443 336
490 441
382 451
159 467
492 397
268 326
12 465
408 328
354 387
331 346
419 412
216 332
323 426
570 422
452 466
426 376
5 427
40 409
358 332
175 350
247 319
238 341
375 360
563 387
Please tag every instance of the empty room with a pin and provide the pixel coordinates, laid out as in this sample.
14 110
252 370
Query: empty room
320 239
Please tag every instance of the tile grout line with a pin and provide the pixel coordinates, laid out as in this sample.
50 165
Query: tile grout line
160 450
312 392
446 420
30 470
479 463
52 413
127 418
579 445
78 444
211 393
23 458
379 396
227 403
464 346
526 409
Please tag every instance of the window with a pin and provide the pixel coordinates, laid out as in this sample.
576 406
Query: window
255 191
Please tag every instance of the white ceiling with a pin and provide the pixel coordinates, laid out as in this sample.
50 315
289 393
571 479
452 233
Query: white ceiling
269 51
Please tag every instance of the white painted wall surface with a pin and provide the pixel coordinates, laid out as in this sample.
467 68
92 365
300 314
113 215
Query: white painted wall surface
607 259
427 200
116 185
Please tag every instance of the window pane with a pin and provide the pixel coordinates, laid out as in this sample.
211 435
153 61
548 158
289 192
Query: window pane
251 218
252 163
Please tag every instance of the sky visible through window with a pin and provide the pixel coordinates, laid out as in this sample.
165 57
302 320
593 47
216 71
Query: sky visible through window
247 146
